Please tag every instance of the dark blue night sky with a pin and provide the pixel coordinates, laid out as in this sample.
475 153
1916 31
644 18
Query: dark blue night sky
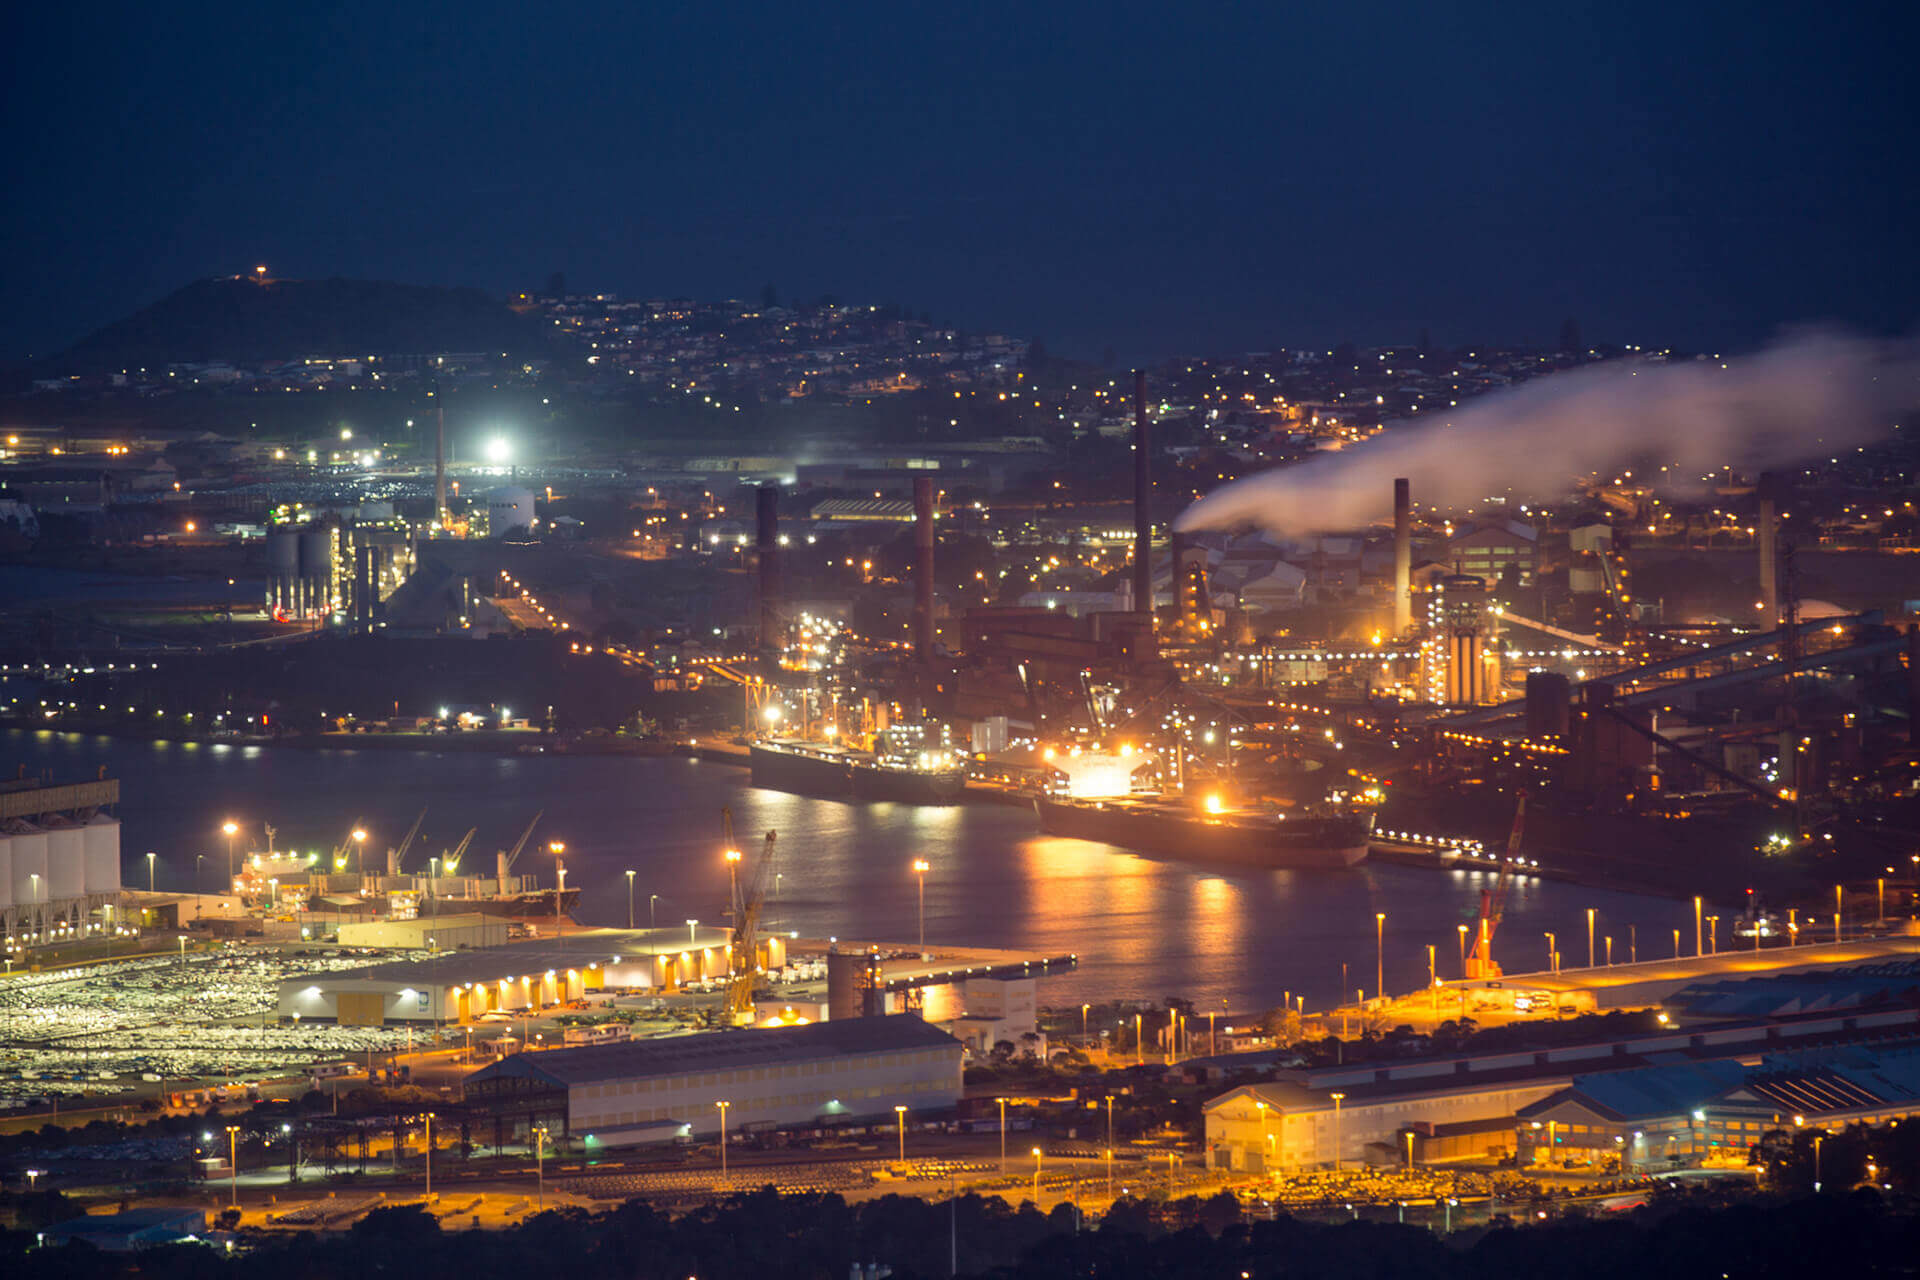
1176 178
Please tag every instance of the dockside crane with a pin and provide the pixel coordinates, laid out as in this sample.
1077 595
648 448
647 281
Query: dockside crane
397 858
503 862
1493 902
450 860
742 965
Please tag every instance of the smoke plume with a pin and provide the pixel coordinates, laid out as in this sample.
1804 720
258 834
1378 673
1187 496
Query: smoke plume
1813 393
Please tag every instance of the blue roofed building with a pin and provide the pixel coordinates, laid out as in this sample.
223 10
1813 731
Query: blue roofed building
1693 1112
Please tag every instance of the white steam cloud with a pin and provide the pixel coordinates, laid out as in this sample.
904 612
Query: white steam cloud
1813 392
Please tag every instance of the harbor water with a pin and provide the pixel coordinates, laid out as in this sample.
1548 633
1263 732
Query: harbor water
1144 929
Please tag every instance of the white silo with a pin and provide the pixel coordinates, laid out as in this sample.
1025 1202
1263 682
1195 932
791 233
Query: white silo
66 863
30 885
509 510
103 854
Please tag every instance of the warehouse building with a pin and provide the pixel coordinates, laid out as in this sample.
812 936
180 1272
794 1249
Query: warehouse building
457 987
1444 1108
1715 1112
685 1087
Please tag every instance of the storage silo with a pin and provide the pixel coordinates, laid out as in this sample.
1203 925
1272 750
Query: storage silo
283 567
30 868
103 854
66 863
509 510
6 872
316 567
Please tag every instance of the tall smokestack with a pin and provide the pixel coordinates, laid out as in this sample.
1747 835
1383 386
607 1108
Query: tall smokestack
1142 500
766 544
439 456
1766 531
923 568
1402 558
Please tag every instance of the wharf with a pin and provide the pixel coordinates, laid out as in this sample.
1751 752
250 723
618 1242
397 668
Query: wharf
904 966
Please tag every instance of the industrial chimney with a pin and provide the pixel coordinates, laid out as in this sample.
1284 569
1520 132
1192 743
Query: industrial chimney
1770 489
923 568
439 456
1402 558
766 545
1142 500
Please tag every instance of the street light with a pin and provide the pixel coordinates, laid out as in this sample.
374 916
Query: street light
1463 950
1036 1177
1337 1099
232 829
150 857
540 1162
359 852
629 899
1590 961
233 1162
1553 952
920 868
1003 1131
900 1113
733 885
723 1138
1380 954
653 916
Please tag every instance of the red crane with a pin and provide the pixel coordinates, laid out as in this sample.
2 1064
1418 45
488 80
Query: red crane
1493 902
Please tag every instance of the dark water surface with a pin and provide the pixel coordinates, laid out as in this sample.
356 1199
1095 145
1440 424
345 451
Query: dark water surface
1143 929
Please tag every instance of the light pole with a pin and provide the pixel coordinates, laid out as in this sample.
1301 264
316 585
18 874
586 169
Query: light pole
198 858
1139 1043
150 857
540 1163
920 869
1463 950
1109 1146
1837 913
1337 1099
723 1138
1003 1132
429 1119
629 899
653 915
1697 948
900 1115
359 855
1713 935
1084 1010
733 885
1036 1177
1553 952
233 1163
1590 959
556 848
232 829
1379 954
1676 944
1818 1138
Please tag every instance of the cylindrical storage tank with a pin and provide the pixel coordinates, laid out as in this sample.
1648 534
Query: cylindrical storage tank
103 855
508 510
316 565
66 863
30 868
283 567
6 872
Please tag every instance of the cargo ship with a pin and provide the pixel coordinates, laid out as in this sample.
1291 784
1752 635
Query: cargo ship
1170 828
841 773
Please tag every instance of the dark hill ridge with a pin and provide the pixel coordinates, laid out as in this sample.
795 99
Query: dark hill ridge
248 322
